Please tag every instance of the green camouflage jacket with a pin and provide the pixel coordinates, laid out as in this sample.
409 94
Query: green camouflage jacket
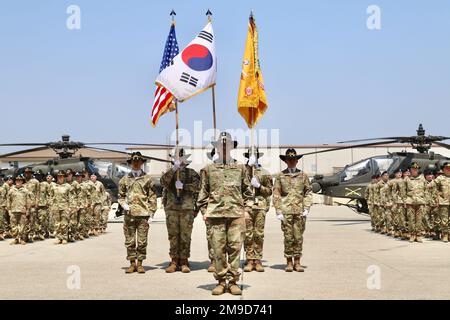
189 195
225 191
292 192
441 186
44 194
60 196
32 185
4 194
19 200
98 194
75 195
368 193
261 196
139 193
415 190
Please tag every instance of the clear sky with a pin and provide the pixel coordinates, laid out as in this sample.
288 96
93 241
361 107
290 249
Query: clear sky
328 77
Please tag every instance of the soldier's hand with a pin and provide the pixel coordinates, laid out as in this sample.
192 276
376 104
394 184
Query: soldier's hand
179 185
305 213
126 207
280 216
176 165
255 182
205 218
252 160
247 215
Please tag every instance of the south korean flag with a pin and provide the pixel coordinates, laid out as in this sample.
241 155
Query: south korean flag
194 69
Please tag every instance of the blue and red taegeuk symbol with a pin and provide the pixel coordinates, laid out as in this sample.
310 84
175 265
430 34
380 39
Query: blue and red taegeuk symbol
197 57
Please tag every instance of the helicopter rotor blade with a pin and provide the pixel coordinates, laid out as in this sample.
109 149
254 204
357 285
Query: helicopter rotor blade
128 154
130 144
445 145
350 147
23 151
22 144
387 138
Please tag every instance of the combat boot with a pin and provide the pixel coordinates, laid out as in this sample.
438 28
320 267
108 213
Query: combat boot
2 237
23 242
249 266
132 267
211 267
445 238
219 289
64 241
297 266
80 237
234 288
15 241
258 266
419 239
185 266
289 266
41 237
140 268
173 266
58 241
412 237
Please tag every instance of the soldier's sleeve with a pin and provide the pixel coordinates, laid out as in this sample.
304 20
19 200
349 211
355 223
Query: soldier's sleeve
122 199
30 200
3 194
247 192
166 178
276 199
151 197
308 195
194 186
366 192
266 185
73 198
203 195
9 200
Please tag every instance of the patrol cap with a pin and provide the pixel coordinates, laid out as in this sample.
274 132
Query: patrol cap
39 172
290 154
20 177
428 172
414 165
29 169
398 170
255 151
384 172
136 156
9 177
446 165
69 171
78 174
61 173
49 174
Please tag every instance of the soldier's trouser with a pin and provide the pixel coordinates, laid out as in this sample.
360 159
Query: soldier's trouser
135 230
105 213
51 221
254 234
179 229
371 214
3 222
19 226
293 227
378 216
387 217
32 221
395 217
427 222
415 218
61 218
41 223
227 237
208 239
83 228
442 219
96 216
89 218
73 223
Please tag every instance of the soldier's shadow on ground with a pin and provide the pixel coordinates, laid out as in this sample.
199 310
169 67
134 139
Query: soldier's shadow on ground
193 265
146 268
210 286
282 266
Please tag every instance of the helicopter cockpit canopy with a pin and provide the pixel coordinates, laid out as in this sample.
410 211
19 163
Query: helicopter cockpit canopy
367 166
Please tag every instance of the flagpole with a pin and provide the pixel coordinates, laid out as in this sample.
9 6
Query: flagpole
213 92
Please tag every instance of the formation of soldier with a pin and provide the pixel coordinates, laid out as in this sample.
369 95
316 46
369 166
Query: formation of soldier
233 199
412 205
68 206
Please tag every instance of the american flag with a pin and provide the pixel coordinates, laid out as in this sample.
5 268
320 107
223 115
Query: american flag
163 97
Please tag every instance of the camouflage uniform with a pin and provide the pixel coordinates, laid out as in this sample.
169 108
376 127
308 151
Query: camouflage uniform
75 194
378 206
398 209
84 216
105 209
224 196
415 204
139 194
180 216
255 221
4 226
32 185
431 199
61 199
42 228
368 195
51 218
292 195
441 186
89 190
19 203
97 205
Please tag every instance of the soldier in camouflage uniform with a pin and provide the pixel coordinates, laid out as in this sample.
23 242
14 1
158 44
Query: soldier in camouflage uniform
105 210
395 187
89 189
431 204
415 186
41 223
97 204
32 184
292 199
181 186
75 191
378 206
225 195
387 203
4 217
49 179
262 184
60 194
441 186
83 204
368 195
19 203
137 196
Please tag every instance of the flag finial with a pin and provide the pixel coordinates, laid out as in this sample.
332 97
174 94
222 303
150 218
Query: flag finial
209 14
173 14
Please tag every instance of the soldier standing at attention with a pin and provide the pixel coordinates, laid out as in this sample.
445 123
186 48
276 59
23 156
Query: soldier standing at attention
41 223
97 204
51 220
262 184
292 199
19 203
75 190
225 196
137 196
368 195
60 195
442 188
395 187
431 204
386 196
83 203
89 189
415 202
32 184
377 202
181 186
4 217
105 211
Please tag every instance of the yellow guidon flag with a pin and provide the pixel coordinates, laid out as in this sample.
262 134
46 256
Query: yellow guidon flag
252 101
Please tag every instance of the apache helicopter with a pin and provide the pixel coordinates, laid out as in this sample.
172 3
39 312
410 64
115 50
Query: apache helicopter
109 173
351 182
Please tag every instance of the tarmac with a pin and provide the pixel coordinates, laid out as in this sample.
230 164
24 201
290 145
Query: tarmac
344 260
